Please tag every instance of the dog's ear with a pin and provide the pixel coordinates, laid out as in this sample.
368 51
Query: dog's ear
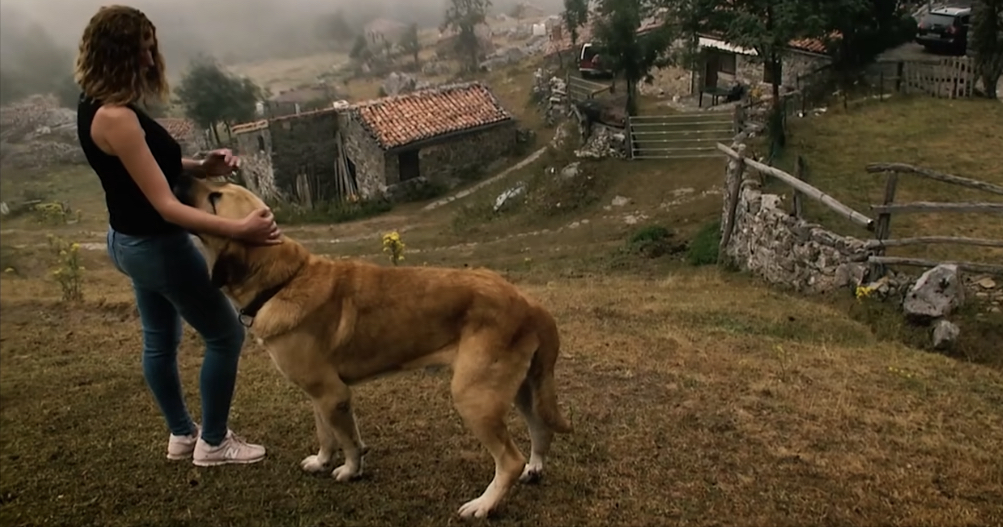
227 270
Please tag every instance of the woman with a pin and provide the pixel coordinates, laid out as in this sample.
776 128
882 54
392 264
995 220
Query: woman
138 163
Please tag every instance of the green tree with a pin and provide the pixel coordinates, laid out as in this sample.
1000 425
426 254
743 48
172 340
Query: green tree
866 28
575 16
409 42
211 96
768 27
625 52
463 17
360 49
985 41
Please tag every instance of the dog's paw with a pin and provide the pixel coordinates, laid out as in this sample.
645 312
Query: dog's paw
531 474
346 473
479 508
314 464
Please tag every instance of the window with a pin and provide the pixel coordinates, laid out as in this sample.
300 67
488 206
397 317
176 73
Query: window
727 63
768 72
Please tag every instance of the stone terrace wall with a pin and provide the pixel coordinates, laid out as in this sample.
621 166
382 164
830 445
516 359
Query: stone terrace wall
771 243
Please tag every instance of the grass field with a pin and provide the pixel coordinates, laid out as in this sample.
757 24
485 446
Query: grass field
952 136
700 397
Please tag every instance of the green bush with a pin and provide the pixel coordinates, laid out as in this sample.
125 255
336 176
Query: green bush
703 248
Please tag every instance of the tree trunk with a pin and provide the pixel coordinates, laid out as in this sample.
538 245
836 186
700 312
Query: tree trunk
631 97
778 134
989 83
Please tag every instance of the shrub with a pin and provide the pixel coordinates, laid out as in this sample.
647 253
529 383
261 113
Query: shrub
703 248
54 213
68 272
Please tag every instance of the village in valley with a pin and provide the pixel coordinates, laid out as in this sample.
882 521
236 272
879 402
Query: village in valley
774 257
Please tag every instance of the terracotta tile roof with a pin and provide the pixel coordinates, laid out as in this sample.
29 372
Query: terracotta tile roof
180 129
404 119
811 45
248 127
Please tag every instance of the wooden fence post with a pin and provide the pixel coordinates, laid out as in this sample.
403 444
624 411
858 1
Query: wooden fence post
733 186
799 172
883 225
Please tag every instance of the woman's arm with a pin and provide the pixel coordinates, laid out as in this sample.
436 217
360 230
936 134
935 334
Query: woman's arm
194 167
120 130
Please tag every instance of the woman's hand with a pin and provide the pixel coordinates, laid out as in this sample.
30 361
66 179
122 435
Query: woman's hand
220 162
259 227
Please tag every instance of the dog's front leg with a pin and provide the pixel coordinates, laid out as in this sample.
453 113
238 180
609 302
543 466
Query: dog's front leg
336 426
328 443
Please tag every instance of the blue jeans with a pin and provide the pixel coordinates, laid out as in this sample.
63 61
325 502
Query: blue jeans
171 281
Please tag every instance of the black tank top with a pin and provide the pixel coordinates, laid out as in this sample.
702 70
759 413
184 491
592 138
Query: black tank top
129 212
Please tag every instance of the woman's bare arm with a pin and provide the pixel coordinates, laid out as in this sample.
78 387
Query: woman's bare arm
119 128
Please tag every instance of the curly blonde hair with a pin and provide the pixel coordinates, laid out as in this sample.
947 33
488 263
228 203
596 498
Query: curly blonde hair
108 66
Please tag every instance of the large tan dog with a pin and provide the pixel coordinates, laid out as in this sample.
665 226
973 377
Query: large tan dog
329 324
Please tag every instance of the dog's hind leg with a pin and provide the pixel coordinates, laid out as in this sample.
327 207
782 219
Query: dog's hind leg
484 386
540 435
336 426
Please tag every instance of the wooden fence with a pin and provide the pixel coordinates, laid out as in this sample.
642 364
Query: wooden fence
880 227
679 136
888 207
580 89
945 77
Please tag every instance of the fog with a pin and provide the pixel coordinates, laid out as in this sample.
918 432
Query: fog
39 37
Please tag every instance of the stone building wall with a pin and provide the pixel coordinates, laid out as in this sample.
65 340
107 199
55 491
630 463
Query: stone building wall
368 157
749 69
256 163
465 156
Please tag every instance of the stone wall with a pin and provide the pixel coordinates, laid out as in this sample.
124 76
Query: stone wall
771 243
368 157
466 156
256 163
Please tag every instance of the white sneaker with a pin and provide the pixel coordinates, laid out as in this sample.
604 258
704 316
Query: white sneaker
233 450
181 447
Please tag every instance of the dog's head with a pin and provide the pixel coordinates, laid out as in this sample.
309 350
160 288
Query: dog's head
226 200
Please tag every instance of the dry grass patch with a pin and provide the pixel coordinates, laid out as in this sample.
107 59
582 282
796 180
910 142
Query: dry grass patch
682 418
959 137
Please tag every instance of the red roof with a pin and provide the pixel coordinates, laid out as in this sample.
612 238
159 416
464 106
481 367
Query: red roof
179 128
425 114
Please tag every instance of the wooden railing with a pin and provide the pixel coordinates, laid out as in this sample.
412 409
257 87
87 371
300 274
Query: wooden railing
888 207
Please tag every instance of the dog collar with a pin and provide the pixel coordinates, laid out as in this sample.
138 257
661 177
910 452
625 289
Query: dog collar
248 312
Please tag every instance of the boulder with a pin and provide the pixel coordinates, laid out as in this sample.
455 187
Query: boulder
945 334
936 294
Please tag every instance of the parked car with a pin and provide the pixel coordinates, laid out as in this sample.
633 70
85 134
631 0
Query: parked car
945 29
589 63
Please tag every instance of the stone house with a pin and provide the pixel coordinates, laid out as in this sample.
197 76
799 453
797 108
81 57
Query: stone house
724 64
438 134
369 149
187 133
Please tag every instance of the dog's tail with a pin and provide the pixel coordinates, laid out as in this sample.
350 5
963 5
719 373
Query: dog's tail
541 373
